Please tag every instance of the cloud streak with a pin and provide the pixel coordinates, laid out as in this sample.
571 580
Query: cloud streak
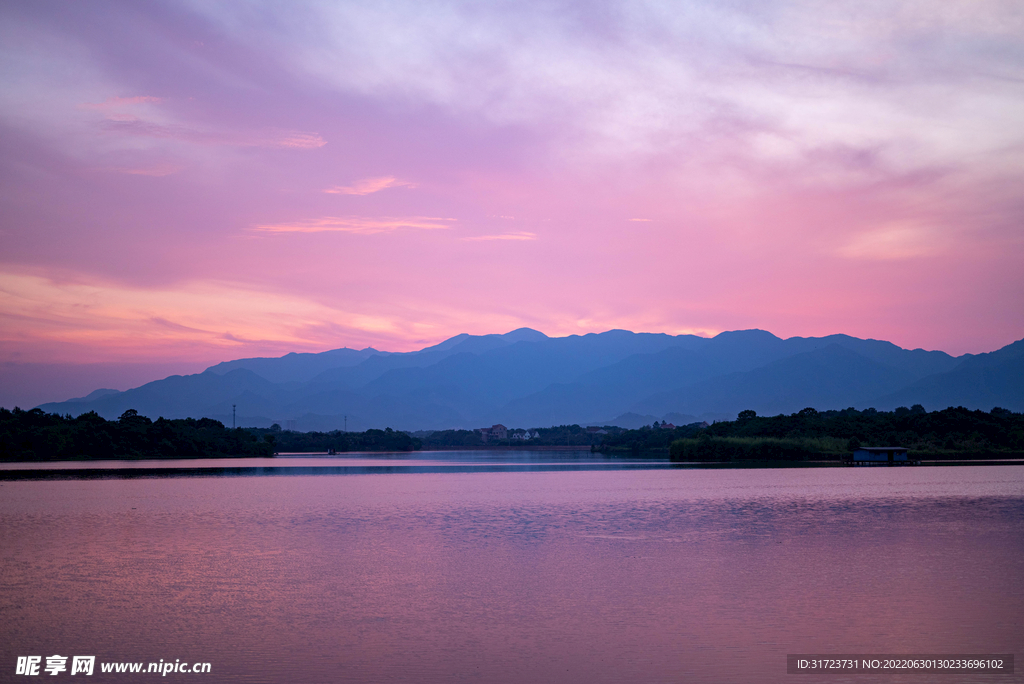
658 78
120 102
359 225
503 236
368 186
135 127
207 315
895 242
155 170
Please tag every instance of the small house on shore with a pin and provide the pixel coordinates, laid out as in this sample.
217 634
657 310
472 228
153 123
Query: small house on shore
496 432
880 455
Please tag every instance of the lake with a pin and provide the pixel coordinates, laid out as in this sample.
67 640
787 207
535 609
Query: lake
510 568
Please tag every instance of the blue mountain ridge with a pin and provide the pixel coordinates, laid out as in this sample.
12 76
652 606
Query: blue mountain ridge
527 379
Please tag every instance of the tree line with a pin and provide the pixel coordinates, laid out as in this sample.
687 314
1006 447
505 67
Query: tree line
38 436
953 433
808 434
338 441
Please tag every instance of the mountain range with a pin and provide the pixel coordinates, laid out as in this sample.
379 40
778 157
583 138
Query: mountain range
527 379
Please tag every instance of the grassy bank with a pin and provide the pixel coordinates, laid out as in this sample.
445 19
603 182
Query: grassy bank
707 448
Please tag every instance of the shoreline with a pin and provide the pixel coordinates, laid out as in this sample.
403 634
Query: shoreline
130 469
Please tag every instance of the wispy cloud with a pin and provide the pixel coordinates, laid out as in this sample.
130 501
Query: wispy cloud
892 242
133 126
699 332
368 186
293 139
640 219
138 116
358 224
116 102
503 236
118 320
815 77
156 170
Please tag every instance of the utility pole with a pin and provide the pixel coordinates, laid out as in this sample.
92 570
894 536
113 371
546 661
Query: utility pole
232 416
346 423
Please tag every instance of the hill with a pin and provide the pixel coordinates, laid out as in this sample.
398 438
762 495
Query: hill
527 379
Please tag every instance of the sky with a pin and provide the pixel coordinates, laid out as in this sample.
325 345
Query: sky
184 183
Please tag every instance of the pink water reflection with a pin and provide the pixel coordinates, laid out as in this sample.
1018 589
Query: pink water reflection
662 576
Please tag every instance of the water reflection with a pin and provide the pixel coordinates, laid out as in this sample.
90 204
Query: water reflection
598 576
323 464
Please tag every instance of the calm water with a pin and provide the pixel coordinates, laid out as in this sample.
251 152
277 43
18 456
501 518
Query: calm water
598 575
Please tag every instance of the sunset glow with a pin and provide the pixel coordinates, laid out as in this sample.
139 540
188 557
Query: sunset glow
198 182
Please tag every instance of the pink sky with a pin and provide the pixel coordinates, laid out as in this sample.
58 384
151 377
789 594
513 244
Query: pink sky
186 183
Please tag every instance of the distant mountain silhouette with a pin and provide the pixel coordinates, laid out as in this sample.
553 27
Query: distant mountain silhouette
831 377
993 379
297 367
96 394
527 379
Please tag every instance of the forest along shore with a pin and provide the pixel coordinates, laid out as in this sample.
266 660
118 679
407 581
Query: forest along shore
951 435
